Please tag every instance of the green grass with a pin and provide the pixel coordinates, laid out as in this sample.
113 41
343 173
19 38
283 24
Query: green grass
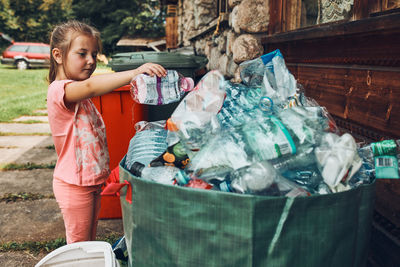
25 166
35 247
23 196
21 92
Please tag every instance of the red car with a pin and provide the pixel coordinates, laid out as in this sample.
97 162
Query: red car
25 55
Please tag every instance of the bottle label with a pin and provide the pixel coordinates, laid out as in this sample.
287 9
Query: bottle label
386 167
287 145
269 139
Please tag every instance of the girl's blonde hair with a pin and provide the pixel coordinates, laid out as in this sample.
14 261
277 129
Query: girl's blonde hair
62 37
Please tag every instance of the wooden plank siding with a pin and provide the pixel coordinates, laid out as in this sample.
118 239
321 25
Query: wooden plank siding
363 96
353 69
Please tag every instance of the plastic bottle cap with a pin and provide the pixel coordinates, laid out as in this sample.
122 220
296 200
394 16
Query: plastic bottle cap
187 84
266 104
168 157
137 168
171 126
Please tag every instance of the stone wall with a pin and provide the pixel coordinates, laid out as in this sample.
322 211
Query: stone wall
236 41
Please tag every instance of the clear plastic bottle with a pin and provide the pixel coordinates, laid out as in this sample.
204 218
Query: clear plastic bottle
145 146
161 174
260 178
252 72
239 105
194 119
267 138
153 90
384 156
269 72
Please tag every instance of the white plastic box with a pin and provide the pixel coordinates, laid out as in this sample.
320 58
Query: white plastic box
81 254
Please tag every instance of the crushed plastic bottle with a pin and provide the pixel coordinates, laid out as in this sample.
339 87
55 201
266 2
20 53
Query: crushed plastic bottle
240 104
154 90
194 119
220 152
268 138
147 144
269 72
161 174
278 83
260 178
337 158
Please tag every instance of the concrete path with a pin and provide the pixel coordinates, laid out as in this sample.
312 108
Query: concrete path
37 218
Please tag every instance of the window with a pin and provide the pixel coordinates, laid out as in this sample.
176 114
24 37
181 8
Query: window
289 15
18 48
45 49
303 13
35 49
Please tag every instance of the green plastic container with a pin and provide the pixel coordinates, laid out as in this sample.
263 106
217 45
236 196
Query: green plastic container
167 225
184 64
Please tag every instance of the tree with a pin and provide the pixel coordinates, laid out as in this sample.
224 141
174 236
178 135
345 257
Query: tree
117 18
32 20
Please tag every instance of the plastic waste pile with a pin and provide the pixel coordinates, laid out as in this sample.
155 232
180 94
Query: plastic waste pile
262 136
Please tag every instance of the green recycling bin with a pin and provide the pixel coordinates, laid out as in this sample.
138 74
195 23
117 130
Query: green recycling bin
168 225
187 65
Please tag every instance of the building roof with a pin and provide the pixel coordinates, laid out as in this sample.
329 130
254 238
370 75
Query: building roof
142 41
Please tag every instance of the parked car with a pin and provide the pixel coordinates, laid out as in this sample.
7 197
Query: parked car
25 55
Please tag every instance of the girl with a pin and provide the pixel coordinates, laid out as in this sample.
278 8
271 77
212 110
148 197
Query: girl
77 128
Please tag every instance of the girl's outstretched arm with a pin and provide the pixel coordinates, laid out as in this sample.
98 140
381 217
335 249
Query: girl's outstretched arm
105 83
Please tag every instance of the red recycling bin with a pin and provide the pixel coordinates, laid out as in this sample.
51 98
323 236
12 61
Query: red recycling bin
120 113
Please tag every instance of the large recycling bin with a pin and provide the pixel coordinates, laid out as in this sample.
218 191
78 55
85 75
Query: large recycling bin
187 65
168 225
120 113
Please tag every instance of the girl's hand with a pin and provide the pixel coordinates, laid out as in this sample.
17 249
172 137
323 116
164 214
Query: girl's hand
152 69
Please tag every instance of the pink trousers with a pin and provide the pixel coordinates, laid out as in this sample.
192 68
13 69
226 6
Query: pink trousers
80 207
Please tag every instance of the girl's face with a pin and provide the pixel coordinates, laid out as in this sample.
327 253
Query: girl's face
81 58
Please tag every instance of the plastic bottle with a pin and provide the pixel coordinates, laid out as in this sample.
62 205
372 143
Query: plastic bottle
252 72
194 119
384 156
337 158
145 146
269 72
267 138
161 174
239 105
153 90
260 178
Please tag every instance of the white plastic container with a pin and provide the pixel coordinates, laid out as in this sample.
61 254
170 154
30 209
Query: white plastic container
81 254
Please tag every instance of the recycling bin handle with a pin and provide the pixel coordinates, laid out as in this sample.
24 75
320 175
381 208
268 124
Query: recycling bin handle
112 189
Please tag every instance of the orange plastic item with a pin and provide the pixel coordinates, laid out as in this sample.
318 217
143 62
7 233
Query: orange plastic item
120 113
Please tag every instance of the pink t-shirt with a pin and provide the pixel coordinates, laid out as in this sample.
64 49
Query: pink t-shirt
79 137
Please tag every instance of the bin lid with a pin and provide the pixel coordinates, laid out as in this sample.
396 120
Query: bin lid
124 61
85 254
